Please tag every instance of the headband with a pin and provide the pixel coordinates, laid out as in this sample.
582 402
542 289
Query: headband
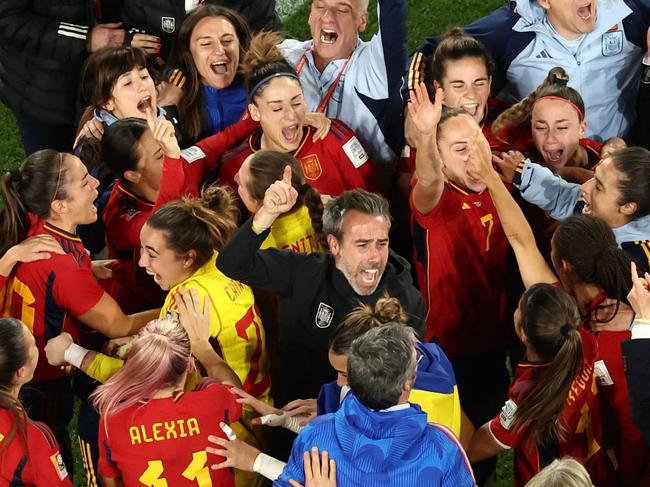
581 115
268 78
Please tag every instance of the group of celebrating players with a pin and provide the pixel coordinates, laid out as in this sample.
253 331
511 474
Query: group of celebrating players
211 257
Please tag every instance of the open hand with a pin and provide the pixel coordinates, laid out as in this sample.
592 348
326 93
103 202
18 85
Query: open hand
425 115
319 472
320 122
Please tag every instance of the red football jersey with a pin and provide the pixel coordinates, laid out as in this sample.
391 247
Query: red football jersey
37 463
162 441
459 256
332 165
581 417
47 295
183 176
124 216
619 430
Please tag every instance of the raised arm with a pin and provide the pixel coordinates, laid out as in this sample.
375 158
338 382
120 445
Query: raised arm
242 259
428 167
532 266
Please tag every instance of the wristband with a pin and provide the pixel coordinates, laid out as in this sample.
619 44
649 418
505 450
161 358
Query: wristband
74 355
269 467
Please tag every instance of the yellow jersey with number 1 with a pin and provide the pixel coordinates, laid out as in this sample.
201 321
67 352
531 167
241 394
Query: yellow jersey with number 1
236 329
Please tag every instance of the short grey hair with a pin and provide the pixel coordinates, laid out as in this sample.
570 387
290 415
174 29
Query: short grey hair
379 364
356 199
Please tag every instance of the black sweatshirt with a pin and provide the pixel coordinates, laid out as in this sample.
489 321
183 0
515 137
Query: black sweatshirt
314 298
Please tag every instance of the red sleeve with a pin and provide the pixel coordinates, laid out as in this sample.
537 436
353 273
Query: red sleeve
107 468
446 206
172 182
124 230
222 395
501 426
75 288
182 176
215 145
352 159
45 457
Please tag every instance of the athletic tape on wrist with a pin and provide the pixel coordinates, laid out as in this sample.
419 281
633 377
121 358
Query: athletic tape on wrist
74 355
268 466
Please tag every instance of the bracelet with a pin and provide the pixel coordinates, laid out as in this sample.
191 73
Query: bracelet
75 355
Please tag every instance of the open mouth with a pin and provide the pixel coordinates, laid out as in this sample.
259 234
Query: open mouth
369 276
554 156
470 108
328 36
145 104
220 67
156 277
291 134
585 12
587 210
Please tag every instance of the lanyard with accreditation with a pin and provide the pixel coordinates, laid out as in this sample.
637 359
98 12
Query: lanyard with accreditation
322 106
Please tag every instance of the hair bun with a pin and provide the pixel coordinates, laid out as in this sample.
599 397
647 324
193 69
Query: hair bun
565 329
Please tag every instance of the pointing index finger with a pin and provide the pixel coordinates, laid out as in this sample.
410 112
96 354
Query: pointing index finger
151 121
286 176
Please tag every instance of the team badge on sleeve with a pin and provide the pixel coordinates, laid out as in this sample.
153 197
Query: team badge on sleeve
192 154
59 466
508 413
324 315
355 152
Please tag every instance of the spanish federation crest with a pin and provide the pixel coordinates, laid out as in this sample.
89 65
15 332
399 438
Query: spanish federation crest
324 315
169 24
612 42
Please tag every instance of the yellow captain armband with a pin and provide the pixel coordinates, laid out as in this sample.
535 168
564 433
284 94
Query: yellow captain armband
104 367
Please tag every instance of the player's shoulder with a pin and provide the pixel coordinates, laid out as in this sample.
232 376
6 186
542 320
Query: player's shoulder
41 433
340 130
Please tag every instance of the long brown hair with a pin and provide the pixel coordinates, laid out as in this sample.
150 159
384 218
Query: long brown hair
267 166
13 356
40 180
550 320
555 84
190 109
202 224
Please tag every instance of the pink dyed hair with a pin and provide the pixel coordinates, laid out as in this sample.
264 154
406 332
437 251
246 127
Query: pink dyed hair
158 358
